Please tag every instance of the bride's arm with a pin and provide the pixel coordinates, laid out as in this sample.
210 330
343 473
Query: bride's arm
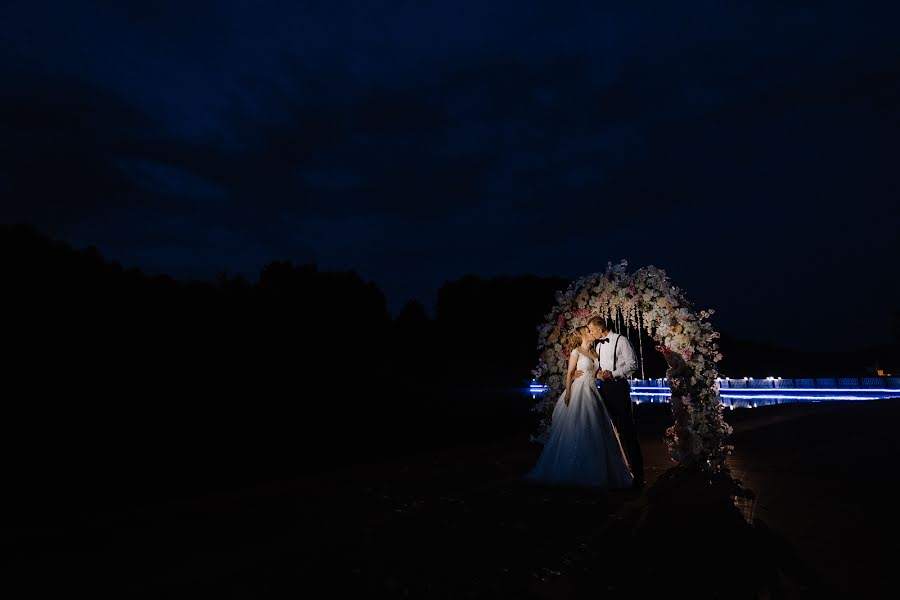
573 362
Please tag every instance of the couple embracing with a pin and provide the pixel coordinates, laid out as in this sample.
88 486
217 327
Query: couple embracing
592 431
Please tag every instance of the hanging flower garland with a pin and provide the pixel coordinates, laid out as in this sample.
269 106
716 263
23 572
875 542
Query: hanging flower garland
645 299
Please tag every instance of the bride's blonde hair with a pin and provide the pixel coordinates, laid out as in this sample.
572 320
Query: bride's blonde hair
577 337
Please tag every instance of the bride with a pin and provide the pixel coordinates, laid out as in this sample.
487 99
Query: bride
583 448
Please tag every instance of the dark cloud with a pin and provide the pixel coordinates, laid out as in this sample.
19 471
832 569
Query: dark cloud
60 141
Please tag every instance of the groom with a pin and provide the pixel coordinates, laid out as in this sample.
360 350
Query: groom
617 363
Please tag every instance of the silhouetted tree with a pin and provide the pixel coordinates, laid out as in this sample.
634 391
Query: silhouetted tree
488 327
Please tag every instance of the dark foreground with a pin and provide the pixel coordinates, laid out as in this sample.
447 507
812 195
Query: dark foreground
809 519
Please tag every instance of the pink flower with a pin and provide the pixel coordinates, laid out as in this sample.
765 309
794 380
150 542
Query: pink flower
583 312
561 321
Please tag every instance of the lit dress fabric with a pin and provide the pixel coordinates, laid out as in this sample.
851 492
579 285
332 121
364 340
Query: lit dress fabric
583 448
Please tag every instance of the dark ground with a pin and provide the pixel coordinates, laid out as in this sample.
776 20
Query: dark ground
459 523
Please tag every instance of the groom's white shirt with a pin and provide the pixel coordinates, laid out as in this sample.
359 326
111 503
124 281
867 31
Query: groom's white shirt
626 363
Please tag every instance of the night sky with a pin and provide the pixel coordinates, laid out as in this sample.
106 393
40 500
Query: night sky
750 149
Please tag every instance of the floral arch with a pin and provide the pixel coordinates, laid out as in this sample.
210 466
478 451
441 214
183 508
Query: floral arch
646 299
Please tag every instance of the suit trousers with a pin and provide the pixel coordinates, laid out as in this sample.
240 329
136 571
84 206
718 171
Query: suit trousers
616 396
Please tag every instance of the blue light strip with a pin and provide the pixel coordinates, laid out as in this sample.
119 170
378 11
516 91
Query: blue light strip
868 390
778 397
774 397
787 390
733 397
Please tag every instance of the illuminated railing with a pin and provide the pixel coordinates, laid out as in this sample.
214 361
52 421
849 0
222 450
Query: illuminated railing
750 393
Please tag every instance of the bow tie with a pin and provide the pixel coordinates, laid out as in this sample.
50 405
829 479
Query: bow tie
603 341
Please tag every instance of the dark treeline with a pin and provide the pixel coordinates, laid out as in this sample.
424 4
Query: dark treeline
145 386
125 387
743 358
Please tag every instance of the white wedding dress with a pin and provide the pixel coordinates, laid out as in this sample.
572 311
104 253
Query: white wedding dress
583 448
